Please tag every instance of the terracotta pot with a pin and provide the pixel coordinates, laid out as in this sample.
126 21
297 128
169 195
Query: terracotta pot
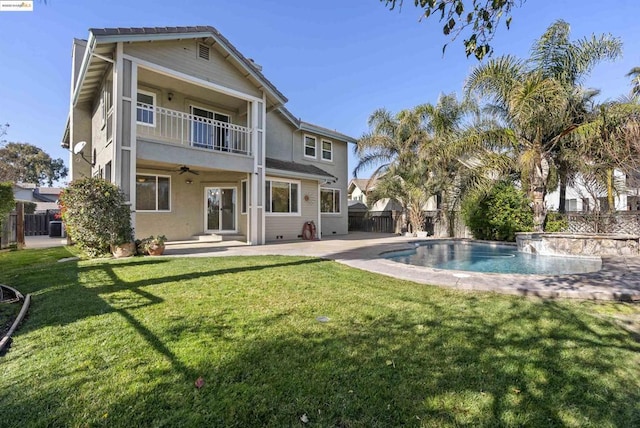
127 249
155 249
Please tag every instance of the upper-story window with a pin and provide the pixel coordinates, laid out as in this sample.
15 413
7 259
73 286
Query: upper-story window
145 113
327 150
310 146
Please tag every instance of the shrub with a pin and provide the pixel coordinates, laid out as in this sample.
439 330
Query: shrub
498 214
7 203
96 215
29 207
555 222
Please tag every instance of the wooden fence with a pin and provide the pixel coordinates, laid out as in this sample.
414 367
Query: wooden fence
375 221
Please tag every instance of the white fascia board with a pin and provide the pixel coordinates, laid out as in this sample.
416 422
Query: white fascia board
299 175
86 60
304 126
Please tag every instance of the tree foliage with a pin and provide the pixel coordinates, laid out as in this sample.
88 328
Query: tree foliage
7 202
478 18
540 104
96 215
26 163
499 214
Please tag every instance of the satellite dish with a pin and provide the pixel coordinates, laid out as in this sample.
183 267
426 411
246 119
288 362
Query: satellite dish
79 147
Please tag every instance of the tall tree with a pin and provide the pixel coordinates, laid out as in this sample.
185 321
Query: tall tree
556 56
391 146
26 163
634 73
479 18
541 103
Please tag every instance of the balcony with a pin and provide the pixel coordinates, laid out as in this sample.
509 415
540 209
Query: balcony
180 128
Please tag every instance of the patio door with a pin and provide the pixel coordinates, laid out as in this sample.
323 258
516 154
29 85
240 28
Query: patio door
220 209
207 129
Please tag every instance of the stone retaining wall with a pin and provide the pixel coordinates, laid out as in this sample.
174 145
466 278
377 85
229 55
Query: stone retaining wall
568 244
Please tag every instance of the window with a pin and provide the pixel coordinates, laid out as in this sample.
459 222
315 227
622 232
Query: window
327 150
585 205
107 172
309 146
153 193
208 129
330 201
145 113
571 205
282 197
244 197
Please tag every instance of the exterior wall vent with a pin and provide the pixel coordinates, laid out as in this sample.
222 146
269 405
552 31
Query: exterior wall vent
203 51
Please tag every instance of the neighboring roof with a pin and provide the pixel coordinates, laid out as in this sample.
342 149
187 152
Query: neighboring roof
363 184
46 194
357 206
298 169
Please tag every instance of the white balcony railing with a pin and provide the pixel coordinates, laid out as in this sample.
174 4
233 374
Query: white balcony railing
177 127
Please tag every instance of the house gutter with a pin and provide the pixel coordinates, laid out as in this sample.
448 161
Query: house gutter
290 174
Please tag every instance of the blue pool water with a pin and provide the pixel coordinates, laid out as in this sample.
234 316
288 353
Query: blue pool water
477 257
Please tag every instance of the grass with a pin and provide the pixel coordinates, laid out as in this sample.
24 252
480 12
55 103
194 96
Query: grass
121 343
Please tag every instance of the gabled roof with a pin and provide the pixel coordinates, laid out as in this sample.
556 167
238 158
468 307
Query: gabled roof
310 127
364 184
297 169
95 61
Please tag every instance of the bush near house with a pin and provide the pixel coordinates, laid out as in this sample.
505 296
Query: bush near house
555 222
7 203
498 214
96 216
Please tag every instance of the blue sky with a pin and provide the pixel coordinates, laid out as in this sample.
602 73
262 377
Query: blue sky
337 61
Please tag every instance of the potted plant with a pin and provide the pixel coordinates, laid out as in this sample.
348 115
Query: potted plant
154 245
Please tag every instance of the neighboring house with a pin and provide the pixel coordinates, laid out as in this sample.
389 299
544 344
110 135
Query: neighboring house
583 197
198 139
358 190
45 198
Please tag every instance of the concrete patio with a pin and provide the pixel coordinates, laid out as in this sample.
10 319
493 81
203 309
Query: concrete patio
619 278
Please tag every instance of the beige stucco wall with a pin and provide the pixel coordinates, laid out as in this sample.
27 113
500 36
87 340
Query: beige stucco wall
280 137
289 227
186 217
182 56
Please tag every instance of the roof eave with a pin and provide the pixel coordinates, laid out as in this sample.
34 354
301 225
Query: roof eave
268 86
294 174
309 127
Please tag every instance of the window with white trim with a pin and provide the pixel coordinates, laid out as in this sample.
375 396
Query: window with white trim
282 197
330 201
153 193
244 197
310 146
327 150
146 106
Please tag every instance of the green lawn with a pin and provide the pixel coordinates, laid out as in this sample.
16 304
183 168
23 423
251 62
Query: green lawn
121 343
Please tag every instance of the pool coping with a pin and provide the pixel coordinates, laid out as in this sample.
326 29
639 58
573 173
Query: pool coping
616 280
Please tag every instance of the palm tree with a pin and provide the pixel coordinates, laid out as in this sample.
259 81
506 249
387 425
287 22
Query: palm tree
634 73
557 57
391 146
443 148
611 140
540 104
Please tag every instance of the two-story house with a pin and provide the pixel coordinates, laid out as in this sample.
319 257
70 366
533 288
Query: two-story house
198 139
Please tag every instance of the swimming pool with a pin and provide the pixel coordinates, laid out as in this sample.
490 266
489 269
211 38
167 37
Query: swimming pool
478 257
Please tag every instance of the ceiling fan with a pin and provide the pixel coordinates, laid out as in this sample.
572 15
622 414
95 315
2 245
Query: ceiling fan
185 168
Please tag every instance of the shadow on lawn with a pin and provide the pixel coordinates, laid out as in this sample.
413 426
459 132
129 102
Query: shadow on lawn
392 371
450 363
